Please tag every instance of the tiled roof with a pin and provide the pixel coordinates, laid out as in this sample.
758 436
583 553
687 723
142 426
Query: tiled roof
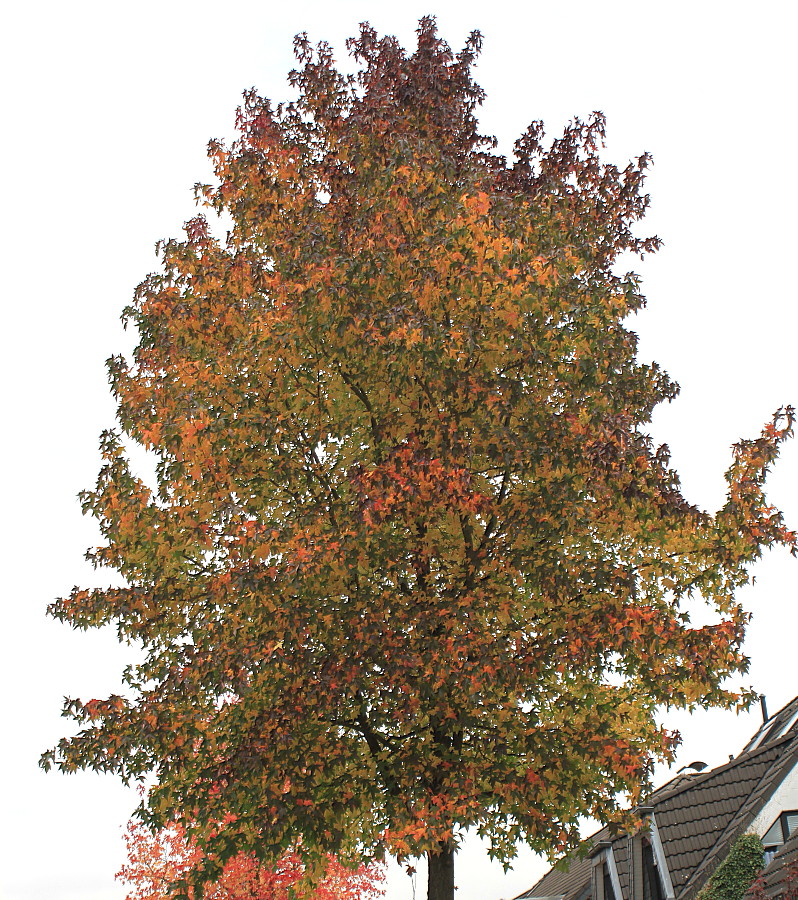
568 882
698 816
784 756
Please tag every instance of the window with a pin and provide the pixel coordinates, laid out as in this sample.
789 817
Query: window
779 832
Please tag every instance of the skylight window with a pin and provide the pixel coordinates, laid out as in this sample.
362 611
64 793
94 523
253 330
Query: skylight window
763 731
789 724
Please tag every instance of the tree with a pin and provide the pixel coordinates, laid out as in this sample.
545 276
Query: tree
156 861
412 563
782 885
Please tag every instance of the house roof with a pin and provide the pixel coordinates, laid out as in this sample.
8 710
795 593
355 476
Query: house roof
570 881
700 823
698 816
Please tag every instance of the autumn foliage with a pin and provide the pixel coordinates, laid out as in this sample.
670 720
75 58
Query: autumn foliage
156 862
412 563
784 888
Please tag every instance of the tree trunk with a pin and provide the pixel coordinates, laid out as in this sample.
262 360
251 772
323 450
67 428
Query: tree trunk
440 882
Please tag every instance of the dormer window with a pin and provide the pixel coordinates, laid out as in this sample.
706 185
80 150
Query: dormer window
609 890
650 879
652 885
603 887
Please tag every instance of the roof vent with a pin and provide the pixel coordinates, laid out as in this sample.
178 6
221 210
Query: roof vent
696 766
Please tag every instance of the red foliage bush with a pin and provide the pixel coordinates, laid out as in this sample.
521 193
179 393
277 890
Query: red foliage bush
157 861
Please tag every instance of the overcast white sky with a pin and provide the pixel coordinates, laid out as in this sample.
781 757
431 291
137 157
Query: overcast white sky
107 109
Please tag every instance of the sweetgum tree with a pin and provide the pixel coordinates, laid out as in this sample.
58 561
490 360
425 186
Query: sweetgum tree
412 564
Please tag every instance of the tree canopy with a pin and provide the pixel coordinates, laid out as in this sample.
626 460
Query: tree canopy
413 563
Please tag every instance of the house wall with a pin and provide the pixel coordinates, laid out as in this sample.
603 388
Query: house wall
785 797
